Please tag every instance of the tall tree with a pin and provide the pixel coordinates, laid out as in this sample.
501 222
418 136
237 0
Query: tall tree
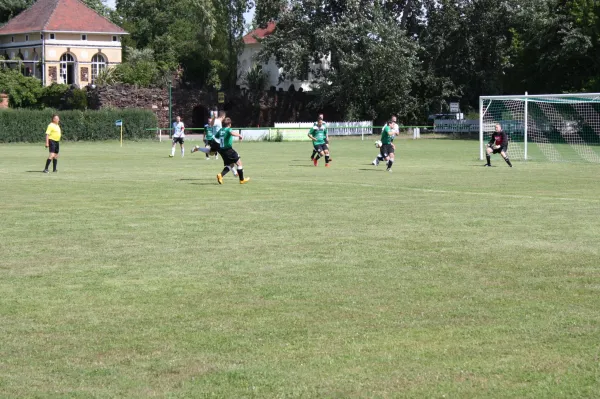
364 63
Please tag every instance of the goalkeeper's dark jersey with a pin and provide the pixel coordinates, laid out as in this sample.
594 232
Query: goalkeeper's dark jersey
499 138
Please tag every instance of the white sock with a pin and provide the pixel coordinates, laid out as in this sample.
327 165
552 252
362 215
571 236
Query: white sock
173 151
182 151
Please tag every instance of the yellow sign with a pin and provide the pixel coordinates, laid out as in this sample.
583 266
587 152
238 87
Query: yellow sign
221 97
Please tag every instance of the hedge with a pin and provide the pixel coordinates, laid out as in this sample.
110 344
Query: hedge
23 125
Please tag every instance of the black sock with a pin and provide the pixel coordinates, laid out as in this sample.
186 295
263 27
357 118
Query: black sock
47 163
508 162
390 163
318 157
240 173
54 162
225 171
488 159
326 158
207 156
380 157
313 154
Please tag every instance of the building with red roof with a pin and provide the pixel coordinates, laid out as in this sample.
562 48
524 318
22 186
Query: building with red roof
248 59
61 41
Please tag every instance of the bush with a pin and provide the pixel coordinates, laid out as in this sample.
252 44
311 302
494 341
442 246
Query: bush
22 125
22 91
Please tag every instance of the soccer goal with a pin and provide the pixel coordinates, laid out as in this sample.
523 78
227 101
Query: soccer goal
553 127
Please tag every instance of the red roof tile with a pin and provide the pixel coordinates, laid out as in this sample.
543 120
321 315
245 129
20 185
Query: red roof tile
59 16
259 33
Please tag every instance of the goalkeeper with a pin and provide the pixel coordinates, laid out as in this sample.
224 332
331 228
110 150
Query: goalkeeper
497 144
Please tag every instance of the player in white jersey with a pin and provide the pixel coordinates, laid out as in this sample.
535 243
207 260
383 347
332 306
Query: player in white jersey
178 136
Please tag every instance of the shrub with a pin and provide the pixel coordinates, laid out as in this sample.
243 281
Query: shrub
22 125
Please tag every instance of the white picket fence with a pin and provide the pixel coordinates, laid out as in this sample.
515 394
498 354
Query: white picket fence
298 131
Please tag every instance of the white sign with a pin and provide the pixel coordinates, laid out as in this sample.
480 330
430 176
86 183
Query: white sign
119 123
454 107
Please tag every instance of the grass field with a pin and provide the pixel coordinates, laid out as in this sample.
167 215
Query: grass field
130 274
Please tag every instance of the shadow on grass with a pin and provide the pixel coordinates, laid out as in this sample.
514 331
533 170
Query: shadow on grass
34 171
302 166
373 170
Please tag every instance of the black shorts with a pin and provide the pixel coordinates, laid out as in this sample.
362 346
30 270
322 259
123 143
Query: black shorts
53 146
215 146
499 150
229 156
386 149
320 147
178 140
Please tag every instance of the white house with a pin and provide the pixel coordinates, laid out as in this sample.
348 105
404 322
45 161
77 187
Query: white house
248 59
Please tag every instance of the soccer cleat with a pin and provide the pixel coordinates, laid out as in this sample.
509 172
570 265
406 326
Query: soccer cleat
193 150
55 171
220 178
315 162
170 155
326 165
45 171
216 156
375 162
246 180
487 165
389 170
207 158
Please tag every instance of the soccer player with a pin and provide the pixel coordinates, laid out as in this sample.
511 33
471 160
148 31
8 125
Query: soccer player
231 158
53 135
209 140
393 123
318 134
314 153
386 151
178 136
498 144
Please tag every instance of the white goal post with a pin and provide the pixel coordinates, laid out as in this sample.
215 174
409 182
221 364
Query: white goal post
553 127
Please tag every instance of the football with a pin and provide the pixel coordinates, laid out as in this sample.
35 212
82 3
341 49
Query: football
378 144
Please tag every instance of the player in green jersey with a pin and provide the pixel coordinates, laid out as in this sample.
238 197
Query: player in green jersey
314 153
318 134
231 158
211 146
386 151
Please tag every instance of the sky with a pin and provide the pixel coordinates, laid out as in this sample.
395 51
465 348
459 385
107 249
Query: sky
247 16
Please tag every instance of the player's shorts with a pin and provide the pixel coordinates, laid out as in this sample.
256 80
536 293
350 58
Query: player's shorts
386 149
499 150
53 146
320 147
178 140
215 146
206 142
229 156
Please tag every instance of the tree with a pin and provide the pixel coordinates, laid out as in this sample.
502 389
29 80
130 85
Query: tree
268 10
365 64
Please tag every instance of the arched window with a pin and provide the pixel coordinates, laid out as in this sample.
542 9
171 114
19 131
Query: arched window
67 68
98 65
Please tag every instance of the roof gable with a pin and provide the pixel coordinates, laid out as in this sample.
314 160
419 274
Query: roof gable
260 33
59 16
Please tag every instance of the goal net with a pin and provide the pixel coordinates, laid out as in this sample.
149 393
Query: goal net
553 127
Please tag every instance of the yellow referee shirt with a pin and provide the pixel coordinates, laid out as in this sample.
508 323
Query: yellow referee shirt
53 132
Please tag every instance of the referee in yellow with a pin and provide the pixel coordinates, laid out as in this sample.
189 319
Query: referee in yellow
53 134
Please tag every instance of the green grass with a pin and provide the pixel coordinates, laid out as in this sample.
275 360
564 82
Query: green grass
129 274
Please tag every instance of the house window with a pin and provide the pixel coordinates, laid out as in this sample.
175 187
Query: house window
52 36
98 65
115 39
67 69
83 37
41 37
12 39
26 38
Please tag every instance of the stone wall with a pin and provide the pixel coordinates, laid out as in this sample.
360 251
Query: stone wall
126 96
193 105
